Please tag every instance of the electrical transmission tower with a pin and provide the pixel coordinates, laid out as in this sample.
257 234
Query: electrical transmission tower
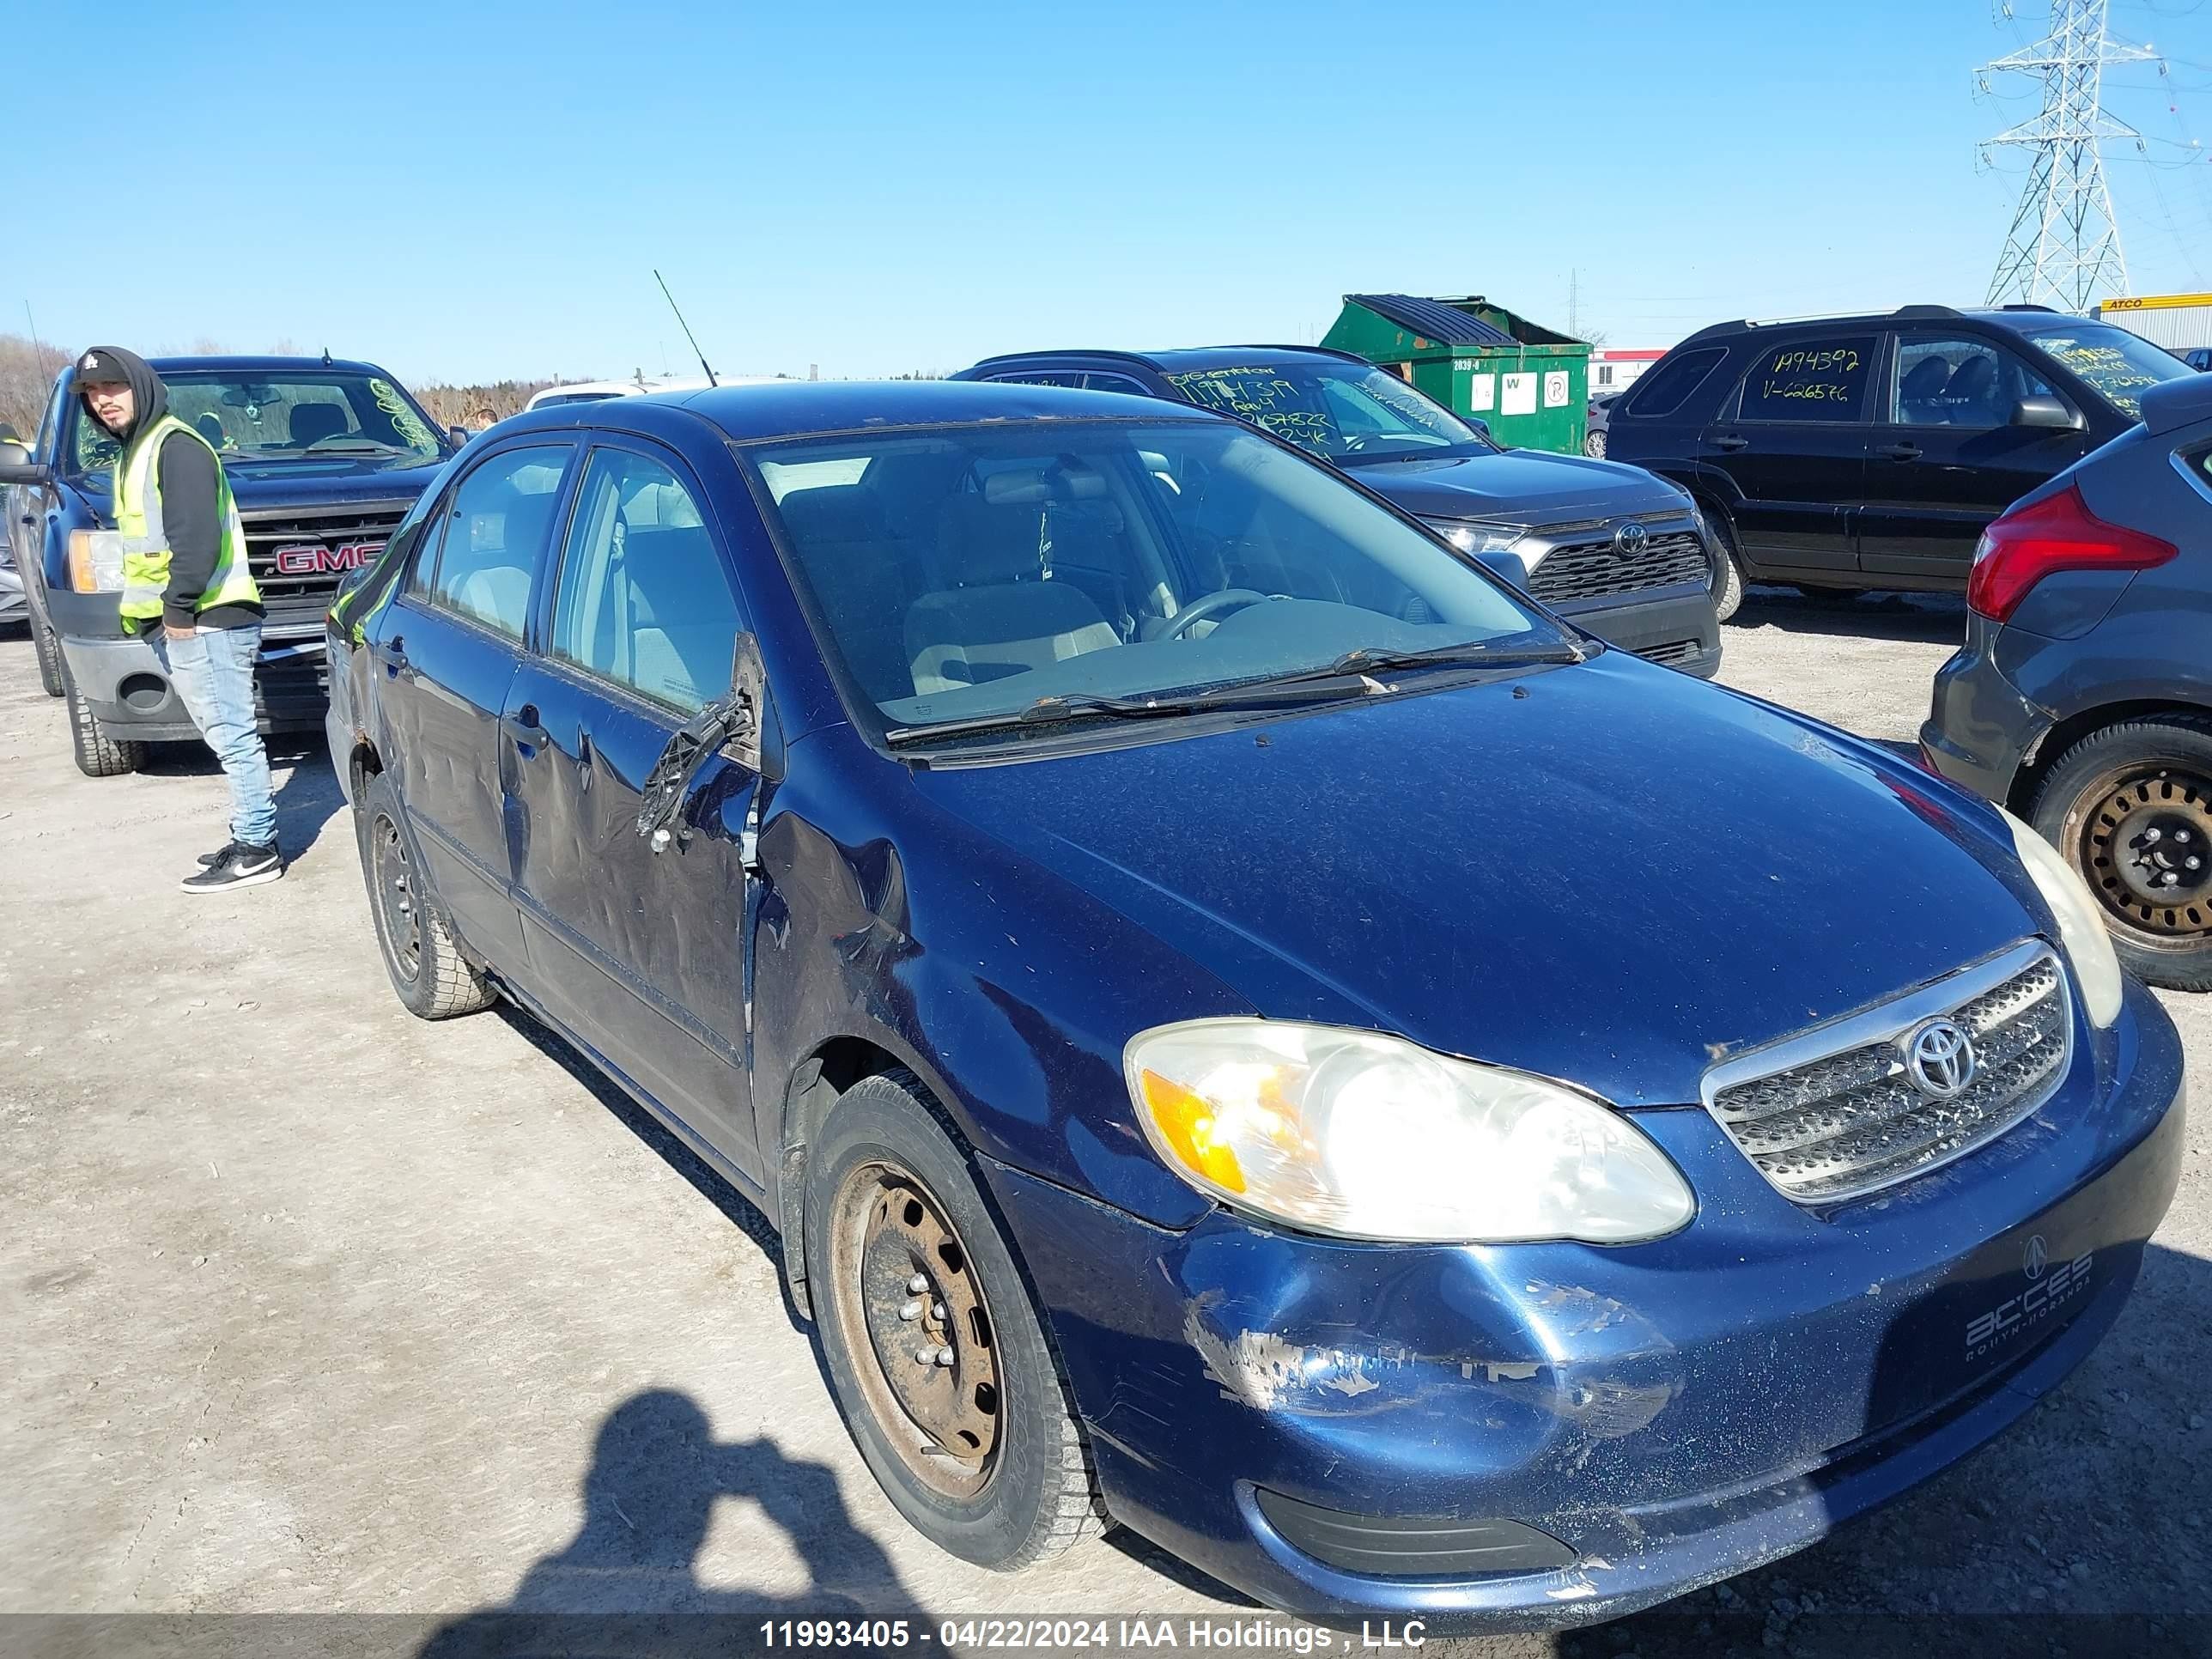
2063 248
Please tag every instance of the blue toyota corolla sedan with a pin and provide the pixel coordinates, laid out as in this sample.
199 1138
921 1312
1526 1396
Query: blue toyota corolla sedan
1251 1030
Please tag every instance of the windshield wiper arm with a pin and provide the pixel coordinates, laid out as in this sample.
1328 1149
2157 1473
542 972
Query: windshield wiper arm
1367 660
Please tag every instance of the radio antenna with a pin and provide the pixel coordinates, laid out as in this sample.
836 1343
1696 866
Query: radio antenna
35 346
686 328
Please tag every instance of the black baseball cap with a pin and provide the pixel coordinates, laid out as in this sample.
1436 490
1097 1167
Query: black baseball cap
100 368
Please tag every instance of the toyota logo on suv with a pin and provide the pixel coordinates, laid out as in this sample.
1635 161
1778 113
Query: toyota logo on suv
1631 539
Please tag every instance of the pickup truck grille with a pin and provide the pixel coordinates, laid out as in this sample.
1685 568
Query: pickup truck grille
1837 1120
299 557
1595 570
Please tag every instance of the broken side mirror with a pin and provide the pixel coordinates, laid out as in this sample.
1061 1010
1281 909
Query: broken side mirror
734 727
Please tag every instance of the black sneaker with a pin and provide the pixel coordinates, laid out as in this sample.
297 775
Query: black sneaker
241 867
209 860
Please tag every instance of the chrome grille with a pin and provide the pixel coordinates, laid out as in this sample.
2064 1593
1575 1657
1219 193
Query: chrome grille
1835 1113
303 595
1588 570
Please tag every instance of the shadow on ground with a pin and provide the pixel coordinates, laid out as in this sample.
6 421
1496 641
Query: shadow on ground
628 1582
307 793
1931 618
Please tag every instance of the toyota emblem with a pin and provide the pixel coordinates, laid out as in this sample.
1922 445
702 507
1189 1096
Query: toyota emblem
1940 1059
1631 539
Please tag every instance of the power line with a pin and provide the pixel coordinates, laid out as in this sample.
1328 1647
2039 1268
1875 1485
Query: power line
2064 245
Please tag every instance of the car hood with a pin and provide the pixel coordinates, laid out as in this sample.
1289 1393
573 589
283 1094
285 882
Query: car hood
1608 874
338 482
1523 486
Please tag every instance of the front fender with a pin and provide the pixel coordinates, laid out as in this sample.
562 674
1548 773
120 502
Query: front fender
1009 993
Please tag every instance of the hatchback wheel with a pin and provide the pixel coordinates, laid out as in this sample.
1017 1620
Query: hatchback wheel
1594 444
432 977
942 1369
2130 807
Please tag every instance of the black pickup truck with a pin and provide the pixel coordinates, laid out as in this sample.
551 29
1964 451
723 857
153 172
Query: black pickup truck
324 457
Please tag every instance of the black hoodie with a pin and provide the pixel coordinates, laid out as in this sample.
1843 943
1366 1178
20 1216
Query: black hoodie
190 512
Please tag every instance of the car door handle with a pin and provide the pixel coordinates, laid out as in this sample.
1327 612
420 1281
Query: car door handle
1731 443
396 665
1900 452
522 726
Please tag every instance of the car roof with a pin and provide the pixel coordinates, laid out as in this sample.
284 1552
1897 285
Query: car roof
165 366
804 409
2016 320
1183 359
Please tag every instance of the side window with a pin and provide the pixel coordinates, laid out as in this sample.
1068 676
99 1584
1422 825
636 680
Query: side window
53 420
1667 387
644 600
1039 377
1817 379
496 525
1966 383
1121 383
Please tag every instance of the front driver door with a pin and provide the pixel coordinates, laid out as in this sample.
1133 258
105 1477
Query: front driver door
1946 458
640 953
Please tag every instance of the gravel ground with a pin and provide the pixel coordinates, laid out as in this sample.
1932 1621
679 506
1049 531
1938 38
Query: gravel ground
314 1309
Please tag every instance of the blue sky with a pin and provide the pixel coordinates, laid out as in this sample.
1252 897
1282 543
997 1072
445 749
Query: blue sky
474 189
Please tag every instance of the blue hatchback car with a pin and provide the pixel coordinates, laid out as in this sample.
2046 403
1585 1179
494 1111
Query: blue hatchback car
1249 1029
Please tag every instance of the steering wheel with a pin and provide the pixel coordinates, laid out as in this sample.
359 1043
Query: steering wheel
1199 611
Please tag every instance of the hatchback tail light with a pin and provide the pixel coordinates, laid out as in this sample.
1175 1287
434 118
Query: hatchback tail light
2058 533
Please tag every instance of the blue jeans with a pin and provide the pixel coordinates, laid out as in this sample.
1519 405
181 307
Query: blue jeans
213 672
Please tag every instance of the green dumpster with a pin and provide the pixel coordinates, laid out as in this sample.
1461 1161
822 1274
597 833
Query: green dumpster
1529 383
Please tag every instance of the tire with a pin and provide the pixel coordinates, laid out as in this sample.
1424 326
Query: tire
1594 444
2123 805
98 755
48 650
1727 579
888 1195
431 977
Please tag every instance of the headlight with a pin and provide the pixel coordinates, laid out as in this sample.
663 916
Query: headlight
95 561
1366 1136
1477 538
2081 924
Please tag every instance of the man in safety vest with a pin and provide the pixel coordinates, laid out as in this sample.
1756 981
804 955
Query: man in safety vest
188 593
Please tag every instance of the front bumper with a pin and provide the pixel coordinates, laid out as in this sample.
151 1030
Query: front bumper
1979 728
1673 1413
1674 626
120 681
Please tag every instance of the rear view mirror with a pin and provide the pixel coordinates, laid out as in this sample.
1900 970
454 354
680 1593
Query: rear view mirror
2047 413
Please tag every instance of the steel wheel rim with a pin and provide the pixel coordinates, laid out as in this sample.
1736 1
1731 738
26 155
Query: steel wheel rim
925 1358
2144 843
395 896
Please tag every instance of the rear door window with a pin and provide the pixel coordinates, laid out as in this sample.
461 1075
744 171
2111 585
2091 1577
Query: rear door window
1810 379
494 529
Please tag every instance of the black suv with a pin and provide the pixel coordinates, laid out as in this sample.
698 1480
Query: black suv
1871 452
1610 548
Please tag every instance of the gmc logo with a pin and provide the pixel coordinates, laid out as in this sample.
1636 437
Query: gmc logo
313 559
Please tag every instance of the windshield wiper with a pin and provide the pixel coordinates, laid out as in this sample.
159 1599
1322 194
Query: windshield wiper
1351 674
1050 711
